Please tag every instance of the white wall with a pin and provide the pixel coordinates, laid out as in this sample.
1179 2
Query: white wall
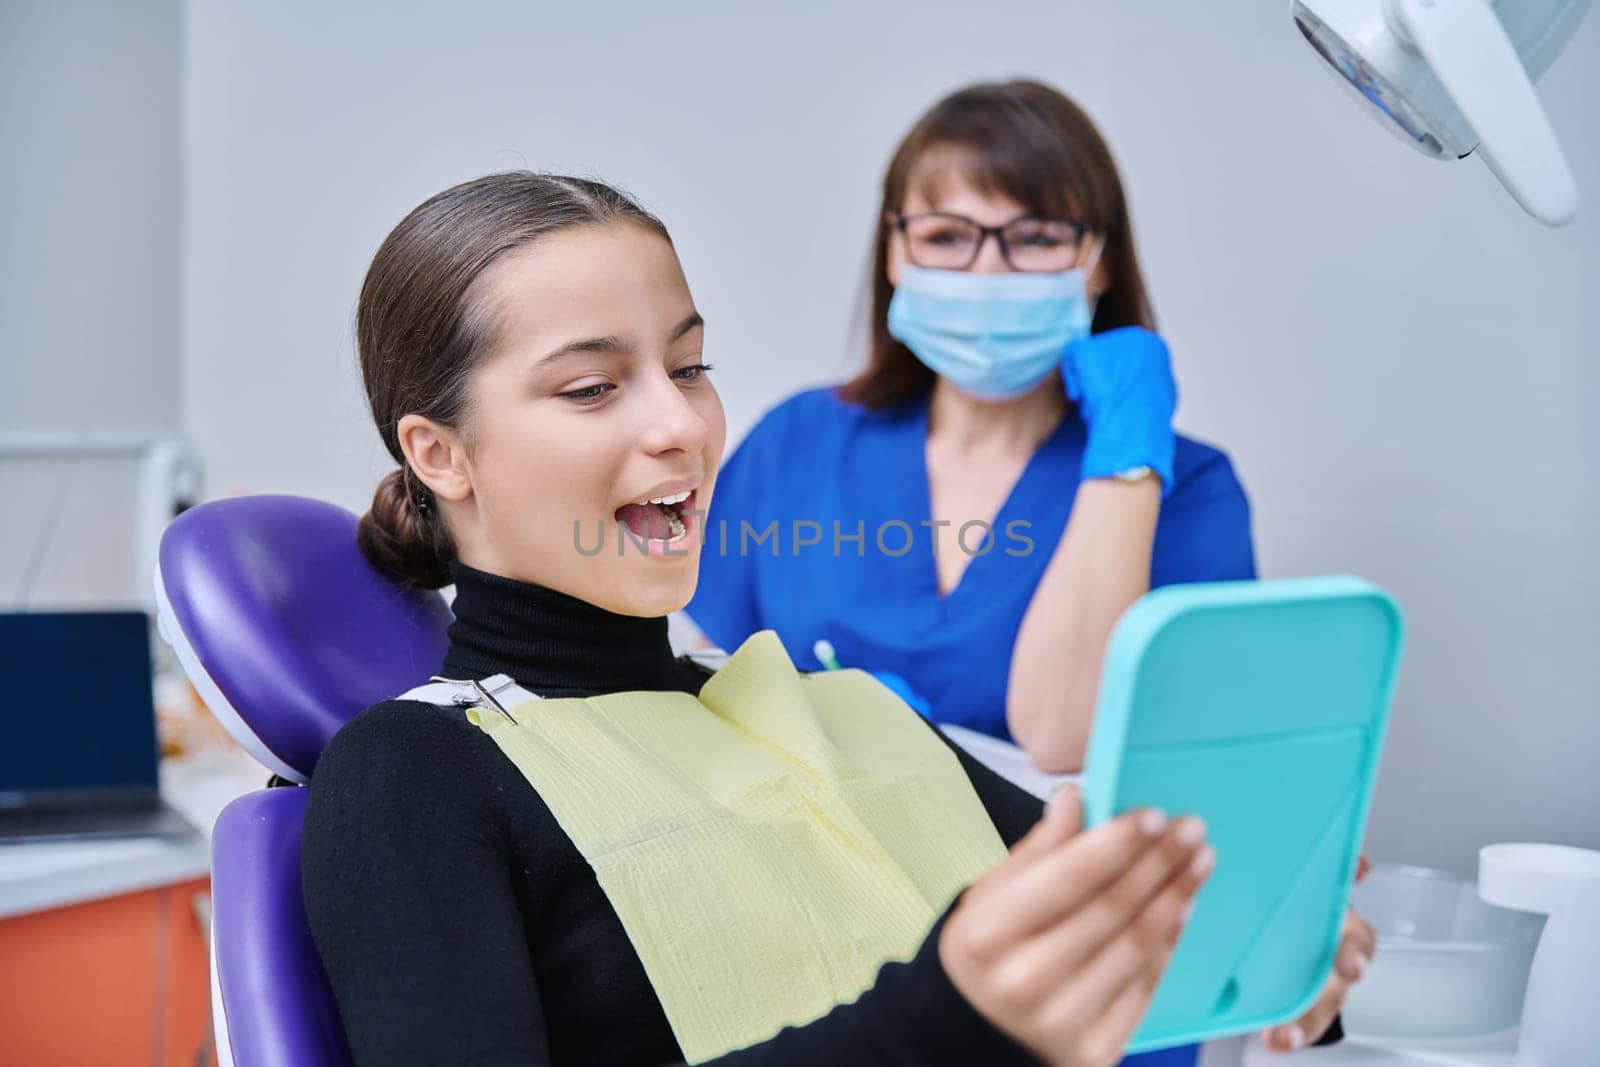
90 209
1397 358
1402 364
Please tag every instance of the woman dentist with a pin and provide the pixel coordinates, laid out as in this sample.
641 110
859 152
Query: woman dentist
976 508
1015 413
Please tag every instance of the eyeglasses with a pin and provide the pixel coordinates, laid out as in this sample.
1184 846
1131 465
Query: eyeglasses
952 242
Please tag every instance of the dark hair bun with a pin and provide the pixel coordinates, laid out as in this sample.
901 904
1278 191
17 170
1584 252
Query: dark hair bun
407 545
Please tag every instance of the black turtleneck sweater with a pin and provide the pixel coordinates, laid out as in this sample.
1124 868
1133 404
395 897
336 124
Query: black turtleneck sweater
458 922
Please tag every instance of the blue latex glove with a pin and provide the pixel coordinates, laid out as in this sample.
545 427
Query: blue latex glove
903 690
1121 381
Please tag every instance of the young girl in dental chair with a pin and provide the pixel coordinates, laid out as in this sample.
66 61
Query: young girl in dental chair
583 850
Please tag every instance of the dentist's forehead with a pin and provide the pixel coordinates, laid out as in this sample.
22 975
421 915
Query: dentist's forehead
951 171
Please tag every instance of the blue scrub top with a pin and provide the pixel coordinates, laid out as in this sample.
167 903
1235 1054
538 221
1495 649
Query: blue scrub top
826 470
781 553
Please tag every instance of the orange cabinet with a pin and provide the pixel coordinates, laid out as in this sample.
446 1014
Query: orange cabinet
119 980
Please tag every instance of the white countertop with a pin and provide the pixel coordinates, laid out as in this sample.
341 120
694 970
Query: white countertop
1356 1050
53 874
1491 1050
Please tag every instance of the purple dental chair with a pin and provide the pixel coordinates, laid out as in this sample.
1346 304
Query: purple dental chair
287 633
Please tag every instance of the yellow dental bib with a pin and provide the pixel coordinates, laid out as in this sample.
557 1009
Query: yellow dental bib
767 845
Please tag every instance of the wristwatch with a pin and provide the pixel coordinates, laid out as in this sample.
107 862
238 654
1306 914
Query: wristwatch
1135 474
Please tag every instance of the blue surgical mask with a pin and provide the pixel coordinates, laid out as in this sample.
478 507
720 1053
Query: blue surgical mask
995 336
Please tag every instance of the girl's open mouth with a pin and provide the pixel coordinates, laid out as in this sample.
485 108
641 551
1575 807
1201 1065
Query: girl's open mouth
665 521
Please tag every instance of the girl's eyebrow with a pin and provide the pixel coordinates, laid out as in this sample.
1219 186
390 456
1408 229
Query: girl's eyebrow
684 327
613 345
606 345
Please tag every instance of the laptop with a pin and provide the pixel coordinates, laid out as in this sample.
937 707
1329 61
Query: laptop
78 751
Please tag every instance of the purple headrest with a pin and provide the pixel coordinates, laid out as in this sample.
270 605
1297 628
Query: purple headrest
284 627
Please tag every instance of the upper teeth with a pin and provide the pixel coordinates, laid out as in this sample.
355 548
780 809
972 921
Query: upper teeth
675 498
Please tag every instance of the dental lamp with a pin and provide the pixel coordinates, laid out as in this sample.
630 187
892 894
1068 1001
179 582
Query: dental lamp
1450 77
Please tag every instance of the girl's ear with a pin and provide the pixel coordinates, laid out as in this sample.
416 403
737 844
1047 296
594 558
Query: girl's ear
436 455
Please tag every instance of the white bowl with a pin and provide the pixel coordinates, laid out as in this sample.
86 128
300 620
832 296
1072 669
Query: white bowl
1448 965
